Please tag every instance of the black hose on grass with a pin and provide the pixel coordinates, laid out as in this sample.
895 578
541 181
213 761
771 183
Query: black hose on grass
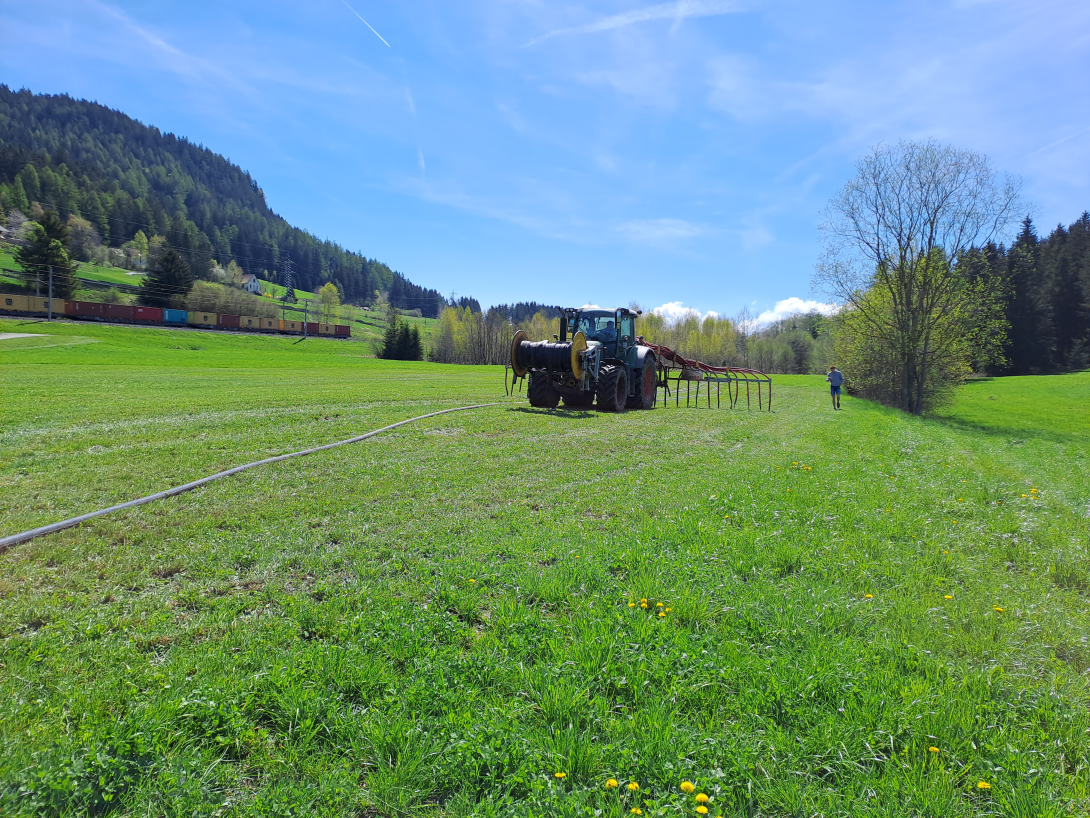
15 539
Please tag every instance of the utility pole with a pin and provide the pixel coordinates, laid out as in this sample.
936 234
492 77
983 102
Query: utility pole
50 293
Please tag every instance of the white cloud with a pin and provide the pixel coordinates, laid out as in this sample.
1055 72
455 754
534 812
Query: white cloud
676 11
794 306
674 311
660 231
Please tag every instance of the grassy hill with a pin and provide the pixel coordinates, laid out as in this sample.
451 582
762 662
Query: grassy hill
862 613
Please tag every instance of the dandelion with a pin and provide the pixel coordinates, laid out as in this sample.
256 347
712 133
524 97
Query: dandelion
702 799
612 784
1033 491
637 811
560 775
643 605
660 605
631 604
946 552
662 613
667 609
687 786
948 596
644 600
868 596
997 609
702 810
933 750
983 785
633 786
1025 495
473 580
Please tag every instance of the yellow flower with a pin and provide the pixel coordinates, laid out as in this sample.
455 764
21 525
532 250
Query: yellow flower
662 613
983 785
643 605
702 799
946 552
868 596
637 811
997 609
659 605
1033 491
668 610
932 749
612 784
644 599
1025 495
631 604
560 775
948 596
702 810
473 580
633 786
687 786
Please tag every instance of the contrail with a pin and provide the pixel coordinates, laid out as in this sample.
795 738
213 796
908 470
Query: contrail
365 22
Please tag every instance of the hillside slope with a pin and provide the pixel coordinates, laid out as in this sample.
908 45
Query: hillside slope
123 176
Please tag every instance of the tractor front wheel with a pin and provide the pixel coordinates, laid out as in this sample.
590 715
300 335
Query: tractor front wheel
540 391
612 388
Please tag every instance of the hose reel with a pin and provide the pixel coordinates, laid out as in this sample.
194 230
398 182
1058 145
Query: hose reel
548 355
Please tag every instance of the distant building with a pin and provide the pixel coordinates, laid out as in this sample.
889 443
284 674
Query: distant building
251 284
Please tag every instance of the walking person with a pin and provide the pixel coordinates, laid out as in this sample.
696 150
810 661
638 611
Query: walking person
835 379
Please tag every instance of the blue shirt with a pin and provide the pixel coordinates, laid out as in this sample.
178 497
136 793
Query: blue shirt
835 378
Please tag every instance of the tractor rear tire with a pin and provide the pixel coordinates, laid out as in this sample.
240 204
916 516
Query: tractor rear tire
584 400
612 388
646 386
540 391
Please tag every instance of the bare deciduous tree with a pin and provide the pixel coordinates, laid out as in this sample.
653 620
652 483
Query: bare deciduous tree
898 229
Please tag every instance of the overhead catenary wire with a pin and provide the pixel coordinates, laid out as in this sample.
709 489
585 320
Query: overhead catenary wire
16 539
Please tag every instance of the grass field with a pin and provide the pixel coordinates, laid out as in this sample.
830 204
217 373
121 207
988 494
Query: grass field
855 613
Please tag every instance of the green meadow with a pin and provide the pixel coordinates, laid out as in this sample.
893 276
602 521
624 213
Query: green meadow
506 611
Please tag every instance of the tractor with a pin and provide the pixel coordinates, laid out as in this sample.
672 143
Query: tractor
603 361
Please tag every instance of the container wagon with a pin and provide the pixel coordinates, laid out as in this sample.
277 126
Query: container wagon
15 304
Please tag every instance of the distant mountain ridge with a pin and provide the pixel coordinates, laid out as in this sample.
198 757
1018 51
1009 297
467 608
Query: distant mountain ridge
123 176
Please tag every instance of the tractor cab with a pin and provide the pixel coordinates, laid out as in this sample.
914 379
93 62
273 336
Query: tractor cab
614 330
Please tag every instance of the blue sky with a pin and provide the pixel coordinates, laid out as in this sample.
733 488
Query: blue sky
669 153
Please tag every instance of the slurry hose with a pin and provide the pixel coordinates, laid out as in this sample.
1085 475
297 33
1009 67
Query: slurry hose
16 539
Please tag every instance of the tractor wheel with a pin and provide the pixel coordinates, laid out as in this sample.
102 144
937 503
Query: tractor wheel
612 388
540 391
646 386
584 400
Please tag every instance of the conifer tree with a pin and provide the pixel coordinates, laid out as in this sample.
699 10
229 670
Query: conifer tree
389 347
1030 339
43 252
169 281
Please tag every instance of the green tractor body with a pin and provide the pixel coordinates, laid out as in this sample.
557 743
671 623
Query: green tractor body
596 359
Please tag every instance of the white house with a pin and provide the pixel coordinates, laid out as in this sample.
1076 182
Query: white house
251 284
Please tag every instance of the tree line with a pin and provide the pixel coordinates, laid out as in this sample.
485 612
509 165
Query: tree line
121 178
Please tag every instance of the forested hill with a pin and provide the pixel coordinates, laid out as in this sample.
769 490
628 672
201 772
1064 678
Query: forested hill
83 158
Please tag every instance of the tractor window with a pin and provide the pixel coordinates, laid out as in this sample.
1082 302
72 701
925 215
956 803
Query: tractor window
628 328
599 328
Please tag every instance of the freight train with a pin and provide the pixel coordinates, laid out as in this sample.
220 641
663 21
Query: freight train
123 313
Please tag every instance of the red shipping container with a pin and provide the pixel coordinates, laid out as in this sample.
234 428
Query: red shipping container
312 328
118 312
229 321
148 314
342 330
84 309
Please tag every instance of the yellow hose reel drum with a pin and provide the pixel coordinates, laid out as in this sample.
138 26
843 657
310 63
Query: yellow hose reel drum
520 336
578 347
